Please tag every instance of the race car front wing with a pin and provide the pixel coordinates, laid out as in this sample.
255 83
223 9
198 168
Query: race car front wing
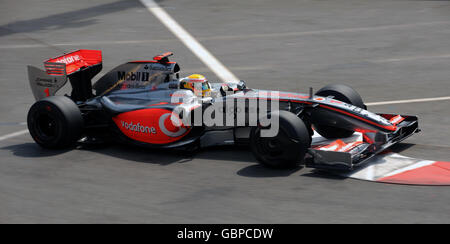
349 155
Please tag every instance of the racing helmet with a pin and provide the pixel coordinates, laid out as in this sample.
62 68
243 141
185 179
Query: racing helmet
196 83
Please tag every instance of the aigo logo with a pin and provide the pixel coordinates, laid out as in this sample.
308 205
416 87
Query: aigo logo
157 126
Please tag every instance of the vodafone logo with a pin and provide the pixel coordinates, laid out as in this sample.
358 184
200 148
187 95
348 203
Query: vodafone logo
163 120
154 126
68 59
162 126
138 127
165 125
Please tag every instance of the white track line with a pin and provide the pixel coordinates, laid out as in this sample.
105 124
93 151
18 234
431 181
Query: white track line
413 58
15 134
204 55
433 99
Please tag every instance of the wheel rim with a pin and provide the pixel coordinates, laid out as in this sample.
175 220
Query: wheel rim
273 147
46 127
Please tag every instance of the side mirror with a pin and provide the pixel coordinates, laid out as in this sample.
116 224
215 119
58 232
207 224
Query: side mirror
225 90
241 85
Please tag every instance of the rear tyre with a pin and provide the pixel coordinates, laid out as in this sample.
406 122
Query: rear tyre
55 122
342 93
285 150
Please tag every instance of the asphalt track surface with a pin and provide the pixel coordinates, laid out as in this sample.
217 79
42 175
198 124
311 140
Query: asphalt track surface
387 50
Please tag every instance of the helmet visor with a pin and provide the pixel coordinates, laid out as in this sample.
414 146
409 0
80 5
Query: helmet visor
205 86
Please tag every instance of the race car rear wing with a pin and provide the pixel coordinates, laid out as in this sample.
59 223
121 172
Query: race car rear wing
82 65
79 66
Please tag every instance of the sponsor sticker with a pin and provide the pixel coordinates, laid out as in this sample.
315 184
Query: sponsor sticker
68 59
153 126
138 127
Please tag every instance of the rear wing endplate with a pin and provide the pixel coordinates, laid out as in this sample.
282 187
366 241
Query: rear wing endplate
47 83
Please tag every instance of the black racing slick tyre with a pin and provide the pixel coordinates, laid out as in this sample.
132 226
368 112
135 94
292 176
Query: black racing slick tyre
285 150
342 93
55 122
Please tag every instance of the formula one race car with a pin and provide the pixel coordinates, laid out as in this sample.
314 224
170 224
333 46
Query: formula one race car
146 103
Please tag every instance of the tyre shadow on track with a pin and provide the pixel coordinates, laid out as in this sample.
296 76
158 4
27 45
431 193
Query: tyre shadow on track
139 154
261 171
32 150
170 156
162 156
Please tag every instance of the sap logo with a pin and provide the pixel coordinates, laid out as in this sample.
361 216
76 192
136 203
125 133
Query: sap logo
133 76
138 127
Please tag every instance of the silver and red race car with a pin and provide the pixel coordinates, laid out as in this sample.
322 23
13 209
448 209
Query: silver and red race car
146 103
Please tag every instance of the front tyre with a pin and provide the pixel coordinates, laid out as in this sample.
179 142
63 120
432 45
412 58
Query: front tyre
55 122
285 150
342 93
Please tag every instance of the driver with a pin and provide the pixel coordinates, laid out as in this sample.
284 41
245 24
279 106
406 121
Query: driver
198 84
